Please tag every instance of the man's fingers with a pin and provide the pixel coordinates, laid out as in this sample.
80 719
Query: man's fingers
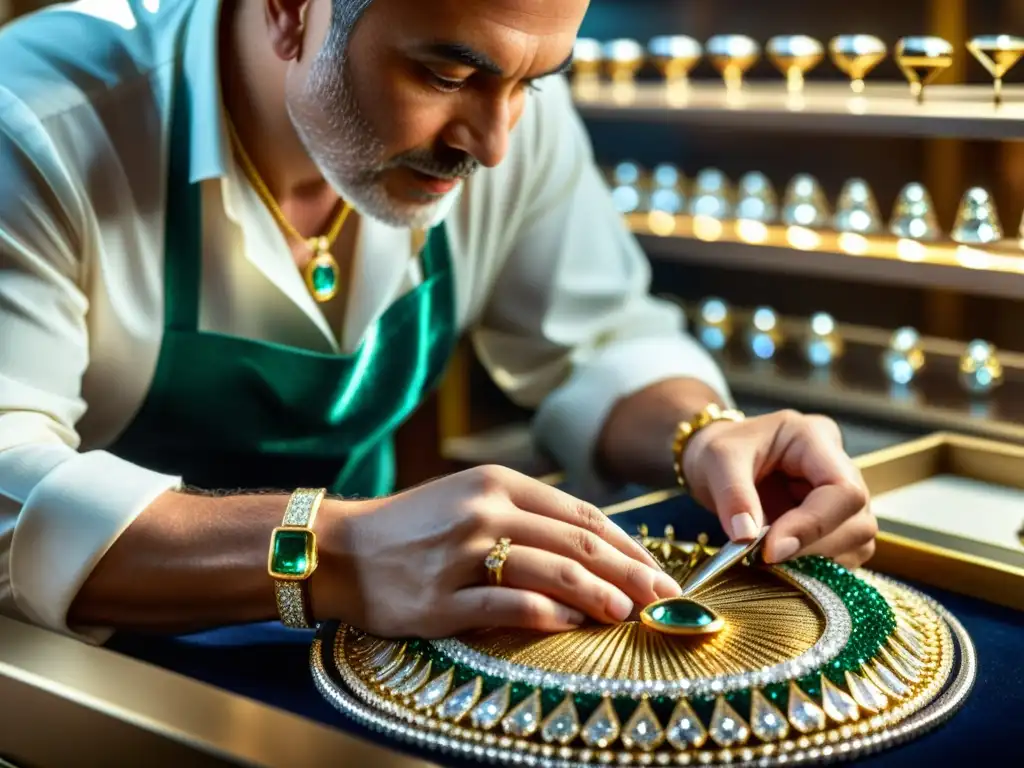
814 451
642 583
824 510
727 482
852 543
542 499
567 582
487 607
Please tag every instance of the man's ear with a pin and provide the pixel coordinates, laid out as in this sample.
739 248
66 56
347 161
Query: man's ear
286 21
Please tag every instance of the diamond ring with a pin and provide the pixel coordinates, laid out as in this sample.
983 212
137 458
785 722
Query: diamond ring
495 561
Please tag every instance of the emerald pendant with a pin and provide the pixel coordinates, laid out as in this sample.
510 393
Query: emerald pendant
681 616
322 276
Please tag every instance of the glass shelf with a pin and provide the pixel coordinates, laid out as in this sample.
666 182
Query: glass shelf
996 270
886 109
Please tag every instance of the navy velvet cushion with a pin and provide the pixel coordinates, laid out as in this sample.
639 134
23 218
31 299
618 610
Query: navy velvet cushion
270 663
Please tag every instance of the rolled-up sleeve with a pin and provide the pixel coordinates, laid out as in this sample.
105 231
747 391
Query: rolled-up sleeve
571 327
60 509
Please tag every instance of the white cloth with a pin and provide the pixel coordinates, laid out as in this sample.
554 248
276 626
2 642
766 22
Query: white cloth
550 285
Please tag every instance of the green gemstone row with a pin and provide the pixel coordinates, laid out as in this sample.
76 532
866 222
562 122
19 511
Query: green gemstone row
872 622
871 617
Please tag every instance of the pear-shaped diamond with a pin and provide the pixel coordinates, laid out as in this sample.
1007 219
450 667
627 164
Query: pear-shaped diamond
914 643
685 729
766 721
602 727
524 719
886 679
838 704
385 654
461 700
408 667
727 728
562 724
415 681
903 627
365 646
804 714
489 711
435 690
866 693
642 730
391 667
908 673
905 656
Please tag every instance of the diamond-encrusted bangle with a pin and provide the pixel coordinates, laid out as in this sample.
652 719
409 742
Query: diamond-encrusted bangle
291 603
292 558
831 642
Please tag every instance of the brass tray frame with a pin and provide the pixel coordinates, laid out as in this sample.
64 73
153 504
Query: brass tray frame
71 704
943 562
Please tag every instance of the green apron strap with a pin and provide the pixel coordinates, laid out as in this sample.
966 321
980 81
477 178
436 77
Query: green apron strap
183 249
435 256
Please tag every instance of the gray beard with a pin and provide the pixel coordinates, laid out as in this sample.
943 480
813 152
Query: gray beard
339 138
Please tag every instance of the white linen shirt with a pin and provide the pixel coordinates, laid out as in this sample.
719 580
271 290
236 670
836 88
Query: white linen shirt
550 286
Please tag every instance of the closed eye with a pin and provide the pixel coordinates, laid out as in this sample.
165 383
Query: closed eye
445 84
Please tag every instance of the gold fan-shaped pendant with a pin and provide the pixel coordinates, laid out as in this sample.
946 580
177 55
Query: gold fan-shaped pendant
753 663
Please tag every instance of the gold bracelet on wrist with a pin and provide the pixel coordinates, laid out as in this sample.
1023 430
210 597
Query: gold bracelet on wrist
293 557
687 429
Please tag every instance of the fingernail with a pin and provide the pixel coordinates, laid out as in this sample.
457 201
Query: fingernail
666 586
573 618
620 607
743 527
785 549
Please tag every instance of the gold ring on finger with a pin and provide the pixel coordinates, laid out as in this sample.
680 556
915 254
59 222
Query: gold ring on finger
495 561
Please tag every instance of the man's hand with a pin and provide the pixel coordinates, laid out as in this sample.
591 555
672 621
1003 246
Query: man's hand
413 563
788 470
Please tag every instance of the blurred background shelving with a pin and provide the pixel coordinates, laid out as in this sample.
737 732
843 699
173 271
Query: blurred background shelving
955 140
884 109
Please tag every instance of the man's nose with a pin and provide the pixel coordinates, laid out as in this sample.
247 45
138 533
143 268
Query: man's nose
482 131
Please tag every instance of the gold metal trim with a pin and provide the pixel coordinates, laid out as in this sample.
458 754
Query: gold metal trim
104 705
655 497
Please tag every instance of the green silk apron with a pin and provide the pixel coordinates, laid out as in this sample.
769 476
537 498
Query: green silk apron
226 412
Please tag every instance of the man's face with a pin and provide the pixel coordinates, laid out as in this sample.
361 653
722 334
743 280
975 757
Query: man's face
399 109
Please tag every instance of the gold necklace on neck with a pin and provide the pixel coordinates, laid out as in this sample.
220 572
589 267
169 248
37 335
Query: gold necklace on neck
321 273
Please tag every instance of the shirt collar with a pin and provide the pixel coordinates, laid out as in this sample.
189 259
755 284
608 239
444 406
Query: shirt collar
208 136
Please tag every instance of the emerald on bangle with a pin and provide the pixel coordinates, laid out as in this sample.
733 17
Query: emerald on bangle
292 553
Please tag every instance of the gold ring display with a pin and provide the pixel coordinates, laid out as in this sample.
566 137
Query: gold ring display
998 54
794 56
733 56
495 561
922 60
856 56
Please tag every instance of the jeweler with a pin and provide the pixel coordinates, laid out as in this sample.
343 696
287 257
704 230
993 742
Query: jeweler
238 243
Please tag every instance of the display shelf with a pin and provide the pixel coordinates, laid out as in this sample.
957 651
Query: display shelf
886 109
856 384
997 270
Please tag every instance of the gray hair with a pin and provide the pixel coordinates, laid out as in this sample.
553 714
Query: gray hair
344 15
